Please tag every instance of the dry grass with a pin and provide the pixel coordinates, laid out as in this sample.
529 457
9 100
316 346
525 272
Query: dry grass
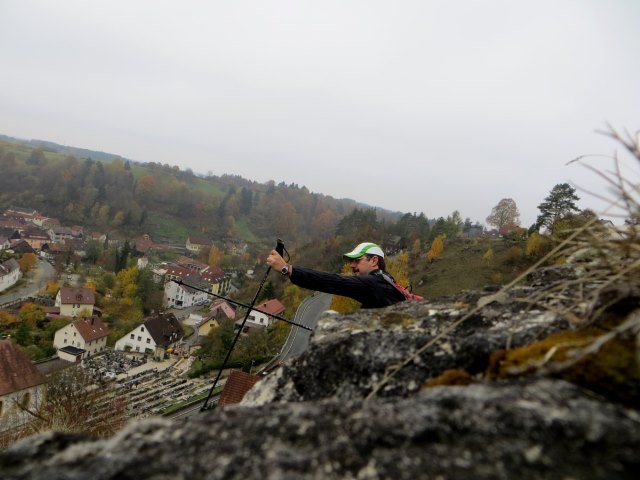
603 291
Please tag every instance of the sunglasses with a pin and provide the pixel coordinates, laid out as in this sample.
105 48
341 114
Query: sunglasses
358 260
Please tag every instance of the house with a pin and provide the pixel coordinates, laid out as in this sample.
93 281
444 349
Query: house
98 237
196 244
21 384
183 296
236 387
41 221
143 262
36 237
205 327
185 268
262 315
191 264
9 274
155 336
21 247
219 282
7 235
85 336
202 324
74 301
27 214
58 234
15 223
143 246
220 309
236 248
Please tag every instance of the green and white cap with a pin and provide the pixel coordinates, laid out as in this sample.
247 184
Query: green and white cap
366 248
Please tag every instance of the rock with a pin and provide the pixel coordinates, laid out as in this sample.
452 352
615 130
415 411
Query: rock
528 430
315 417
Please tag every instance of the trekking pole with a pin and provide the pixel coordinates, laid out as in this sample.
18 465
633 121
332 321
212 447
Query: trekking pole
226 299
280 249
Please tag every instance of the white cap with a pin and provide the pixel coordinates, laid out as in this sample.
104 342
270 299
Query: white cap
366 248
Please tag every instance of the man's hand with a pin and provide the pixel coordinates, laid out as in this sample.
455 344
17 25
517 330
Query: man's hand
275 261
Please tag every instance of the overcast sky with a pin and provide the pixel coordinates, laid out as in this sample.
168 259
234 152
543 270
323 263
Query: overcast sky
418 106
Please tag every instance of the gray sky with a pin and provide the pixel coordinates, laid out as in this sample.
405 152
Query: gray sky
432 105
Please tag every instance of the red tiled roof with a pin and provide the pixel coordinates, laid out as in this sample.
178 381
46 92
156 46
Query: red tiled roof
91 328
196 240
237 385
223 306
273 307
16 370
191 263
213 276
81 295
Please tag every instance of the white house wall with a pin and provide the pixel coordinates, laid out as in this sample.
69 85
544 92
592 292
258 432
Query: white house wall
70 336
9 279
179 297
137 340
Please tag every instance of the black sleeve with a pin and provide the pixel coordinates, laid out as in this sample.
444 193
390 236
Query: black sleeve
357 287
372 291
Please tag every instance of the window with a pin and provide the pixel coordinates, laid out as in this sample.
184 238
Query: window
139 339
148 340
132 336
142 329
65 340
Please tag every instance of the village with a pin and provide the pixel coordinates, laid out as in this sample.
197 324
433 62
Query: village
147 367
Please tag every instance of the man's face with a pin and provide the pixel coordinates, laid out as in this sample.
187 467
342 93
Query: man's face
363 265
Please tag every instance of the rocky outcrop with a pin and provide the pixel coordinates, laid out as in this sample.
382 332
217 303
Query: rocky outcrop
417 390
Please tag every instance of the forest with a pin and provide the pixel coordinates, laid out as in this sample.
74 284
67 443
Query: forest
164 200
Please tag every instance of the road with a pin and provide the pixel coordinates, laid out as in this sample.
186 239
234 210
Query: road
33 282
307 314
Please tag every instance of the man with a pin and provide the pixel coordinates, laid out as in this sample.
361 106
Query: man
368 285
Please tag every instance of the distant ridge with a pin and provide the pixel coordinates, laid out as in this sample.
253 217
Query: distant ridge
56 147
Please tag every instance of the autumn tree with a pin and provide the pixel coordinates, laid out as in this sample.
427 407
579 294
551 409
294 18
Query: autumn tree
504 214
31 314
215 256
559 203
398 268
27 261
536 245
344 304
437 246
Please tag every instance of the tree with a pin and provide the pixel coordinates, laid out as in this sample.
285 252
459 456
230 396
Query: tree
31 314
215 256
505 213
558 204
436 248
72 404
27 261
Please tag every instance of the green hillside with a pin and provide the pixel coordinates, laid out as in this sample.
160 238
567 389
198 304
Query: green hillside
463 266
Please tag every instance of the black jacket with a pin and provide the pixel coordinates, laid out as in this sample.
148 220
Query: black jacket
371 290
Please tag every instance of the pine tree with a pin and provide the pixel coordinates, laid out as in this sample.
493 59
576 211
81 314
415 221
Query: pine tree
559 203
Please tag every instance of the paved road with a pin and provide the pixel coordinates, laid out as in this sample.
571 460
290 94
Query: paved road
33 282
308 315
